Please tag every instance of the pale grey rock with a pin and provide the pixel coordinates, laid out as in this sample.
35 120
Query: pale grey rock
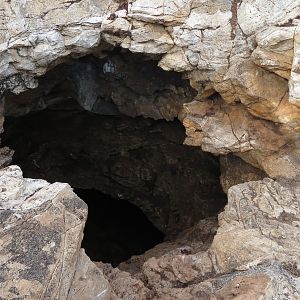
150 38
275 49
40 236
253 15
160 11
248 51
294 83
259 224
88 281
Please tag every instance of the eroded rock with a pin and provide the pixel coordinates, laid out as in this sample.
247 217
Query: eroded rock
42 227
254 253
247 51
235 171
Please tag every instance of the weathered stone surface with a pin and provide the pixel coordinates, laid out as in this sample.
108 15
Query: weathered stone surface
88 281
294 83
246 50
275 50
221 128
196 239
222 45
109 86
253 255
42 226
259 224
123 284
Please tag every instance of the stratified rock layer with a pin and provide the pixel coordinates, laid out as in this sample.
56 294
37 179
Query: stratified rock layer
246 50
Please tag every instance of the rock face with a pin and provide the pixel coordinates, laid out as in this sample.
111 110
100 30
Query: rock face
253 255
42 225
242 57
222 47
234 171
41 232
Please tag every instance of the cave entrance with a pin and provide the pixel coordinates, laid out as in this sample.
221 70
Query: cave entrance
129 159
110 125
115 229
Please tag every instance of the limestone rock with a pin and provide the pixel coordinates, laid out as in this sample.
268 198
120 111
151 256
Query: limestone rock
248 51
275 50
150 38
261 216
159 11
294 83
156 94
40 236
123 284
254 253
222 46
88 281
220 128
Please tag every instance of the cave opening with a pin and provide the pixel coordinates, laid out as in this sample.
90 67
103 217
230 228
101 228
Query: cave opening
114 136
115 229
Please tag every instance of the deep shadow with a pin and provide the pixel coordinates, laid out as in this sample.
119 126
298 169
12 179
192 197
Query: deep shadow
115 229
141 160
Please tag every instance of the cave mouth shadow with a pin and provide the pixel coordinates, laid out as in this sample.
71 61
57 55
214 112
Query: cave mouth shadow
111 125
115 229
119 159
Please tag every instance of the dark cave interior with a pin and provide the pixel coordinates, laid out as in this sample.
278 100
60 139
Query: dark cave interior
108 126
118 158
115 229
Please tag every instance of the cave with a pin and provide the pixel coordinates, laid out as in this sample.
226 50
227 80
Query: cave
115 228
115 137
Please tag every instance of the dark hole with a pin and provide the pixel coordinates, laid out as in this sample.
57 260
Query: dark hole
115 229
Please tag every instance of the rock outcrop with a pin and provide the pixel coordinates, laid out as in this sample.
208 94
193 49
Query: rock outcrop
42 225
253 255
221 47
242 57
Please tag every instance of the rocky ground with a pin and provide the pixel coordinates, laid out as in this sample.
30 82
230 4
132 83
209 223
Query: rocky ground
233 81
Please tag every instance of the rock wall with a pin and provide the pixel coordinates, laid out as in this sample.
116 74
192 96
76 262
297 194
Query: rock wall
242 57
221 47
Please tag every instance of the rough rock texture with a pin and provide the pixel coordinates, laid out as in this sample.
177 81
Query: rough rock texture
246 51
222 46
138 159
253 255
5 153
40 236
221 128
42 227
88 281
